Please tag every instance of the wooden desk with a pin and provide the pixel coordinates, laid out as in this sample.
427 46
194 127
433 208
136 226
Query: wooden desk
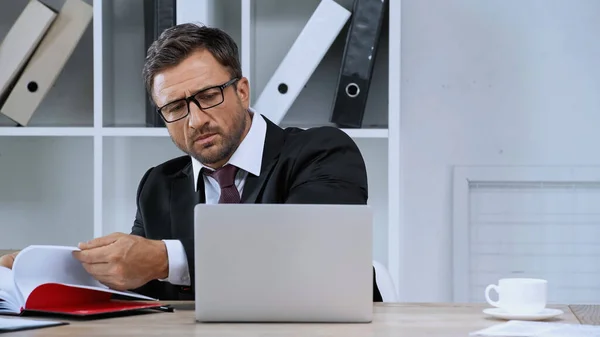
398 320
6 252
586 313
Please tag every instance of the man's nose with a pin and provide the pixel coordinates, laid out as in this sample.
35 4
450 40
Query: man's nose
197 116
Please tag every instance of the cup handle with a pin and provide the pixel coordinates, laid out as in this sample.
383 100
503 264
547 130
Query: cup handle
487 295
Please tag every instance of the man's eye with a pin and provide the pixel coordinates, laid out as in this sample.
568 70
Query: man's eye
207 96
175 107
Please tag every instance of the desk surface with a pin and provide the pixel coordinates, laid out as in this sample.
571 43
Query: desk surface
390 319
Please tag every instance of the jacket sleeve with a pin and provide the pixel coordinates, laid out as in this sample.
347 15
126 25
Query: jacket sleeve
153 288
138 223
329 169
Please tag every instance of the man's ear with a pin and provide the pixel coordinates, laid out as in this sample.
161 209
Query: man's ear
243 91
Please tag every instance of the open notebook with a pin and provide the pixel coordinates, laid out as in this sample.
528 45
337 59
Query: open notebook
49 279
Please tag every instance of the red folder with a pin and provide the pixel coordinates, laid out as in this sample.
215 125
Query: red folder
63 299
48 279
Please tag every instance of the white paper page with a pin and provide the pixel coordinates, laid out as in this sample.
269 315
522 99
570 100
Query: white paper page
573 330
8 291
36 265
517 329
116 292
12 324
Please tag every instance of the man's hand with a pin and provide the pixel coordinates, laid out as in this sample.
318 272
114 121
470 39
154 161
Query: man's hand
7 260
124 262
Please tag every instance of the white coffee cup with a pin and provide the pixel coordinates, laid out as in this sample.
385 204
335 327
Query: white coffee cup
519 295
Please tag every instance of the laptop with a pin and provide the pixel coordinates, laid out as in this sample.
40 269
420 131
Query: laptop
283 263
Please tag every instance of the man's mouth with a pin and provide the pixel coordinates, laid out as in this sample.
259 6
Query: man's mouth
203 139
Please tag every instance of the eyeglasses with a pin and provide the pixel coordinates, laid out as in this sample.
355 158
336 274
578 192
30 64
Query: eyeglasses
204 99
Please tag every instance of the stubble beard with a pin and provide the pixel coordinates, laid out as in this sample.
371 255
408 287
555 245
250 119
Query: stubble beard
227 145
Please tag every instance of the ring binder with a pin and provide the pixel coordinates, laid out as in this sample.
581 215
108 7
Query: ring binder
357 63
302 59
47 61
20 43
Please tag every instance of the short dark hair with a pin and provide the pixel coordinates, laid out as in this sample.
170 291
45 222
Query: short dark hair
178 42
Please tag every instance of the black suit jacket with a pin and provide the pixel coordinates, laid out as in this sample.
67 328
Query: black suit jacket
316 166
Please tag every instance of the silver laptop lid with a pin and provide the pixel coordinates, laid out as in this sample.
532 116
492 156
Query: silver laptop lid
281 262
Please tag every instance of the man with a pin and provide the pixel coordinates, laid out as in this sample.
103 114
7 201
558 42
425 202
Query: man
234 155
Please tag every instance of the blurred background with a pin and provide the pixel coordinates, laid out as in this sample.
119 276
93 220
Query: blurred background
479 134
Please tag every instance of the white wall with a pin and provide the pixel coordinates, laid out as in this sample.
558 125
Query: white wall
46 190
489 82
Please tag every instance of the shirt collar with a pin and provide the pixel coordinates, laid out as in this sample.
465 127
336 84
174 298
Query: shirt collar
248 155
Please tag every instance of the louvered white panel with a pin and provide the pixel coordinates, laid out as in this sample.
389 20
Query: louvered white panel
547 230
537 222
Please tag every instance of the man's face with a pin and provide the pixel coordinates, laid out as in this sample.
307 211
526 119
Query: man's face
211 136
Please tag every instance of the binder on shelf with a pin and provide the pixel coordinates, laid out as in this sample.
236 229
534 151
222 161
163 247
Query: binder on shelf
47 61
158 16
21 41
301 60
350 98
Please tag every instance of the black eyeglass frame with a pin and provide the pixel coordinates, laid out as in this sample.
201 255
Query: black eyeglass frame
191 98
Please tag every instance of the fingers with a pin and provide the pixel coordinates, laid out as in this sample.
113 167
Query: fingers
100 242
7 260
97 270
108 274
95 255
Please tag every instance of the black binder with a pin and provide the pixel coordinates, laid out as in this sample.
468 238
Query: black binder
158 16
358 60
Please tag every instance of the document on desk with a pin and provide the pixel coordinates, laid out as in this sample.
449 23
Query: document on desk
538 329
16 324
48 279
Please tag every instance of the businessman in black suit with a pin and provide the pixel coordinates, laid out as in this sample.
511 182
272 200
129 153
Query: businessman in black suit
234 155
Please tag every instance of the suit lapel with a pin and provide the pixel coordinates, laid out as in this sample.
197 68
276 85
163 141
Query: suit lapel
254 185
183 199
272 147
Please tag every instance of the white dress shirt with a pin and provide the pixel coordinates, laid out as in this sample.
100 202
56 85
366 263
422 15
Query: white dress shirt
248 158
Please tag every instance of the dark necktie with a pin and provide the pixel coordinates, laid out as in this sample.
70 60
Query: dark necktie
225 176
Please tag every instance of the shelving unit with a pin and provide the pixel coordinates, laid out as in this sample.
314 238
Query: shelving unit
73 172
47 131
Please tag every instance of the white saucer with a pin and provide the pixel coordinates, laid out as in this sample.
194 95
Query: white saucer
544 314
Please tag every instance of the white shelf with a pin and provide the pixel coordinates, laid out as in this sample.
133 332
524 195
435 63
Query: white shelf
137 132
100 97
366 133
134 132
162 132
33 131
